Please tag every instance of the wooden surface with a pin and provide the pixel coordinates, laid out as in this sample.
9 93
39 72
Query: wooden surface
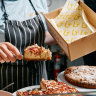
90 14
4 93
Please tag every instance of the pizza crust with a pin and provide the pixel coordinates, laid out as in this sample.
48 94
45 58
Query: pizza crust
82 76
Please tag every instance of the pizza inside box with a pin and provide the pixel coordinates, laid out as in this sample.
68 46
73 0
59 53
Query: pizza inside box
74 28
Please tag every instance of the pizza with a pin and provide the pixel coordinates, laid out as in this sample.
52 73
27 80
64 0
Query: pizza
37 53
34 92
83 76
57 87
48 87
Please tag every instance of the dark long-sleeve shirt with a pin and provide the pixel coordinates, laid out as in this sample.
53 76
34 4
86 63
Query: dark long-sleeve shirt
91 4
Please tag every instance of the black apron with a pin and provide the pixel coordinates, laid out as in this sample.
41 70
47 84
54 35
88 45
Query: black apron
22 34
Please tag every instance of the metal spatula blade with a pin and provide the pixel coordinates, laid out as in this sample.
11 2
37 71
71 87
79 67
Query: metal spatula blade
44 75
7 86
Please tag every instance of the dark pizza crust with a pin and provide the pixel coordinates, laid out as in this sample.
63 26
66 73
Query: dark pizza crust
77 82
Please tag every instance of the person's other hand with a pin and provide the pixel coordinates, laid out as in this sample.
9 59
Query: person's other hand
9 52
49 40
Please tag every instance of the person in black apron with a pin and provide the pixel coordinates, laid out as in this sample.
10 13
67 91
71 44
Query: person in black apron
22 34
90 59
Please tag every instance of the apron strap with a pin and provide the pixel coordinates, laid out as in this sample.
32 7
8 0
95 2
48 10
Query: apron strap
5 15
33 7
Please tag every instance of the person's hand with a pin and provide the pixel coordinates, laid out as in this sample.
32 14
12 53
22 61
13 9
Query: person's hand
9 52
49 40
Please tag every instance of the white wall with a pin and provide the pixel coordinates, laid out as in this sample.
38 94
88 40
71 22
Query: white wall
54 4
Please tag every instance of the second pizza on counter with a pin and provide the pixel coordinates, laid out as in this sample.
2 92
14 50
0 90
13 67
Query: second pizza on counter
82 76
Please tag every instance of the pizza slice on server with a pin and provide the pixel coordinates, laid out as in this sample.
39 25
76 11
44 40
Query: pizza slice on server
37 53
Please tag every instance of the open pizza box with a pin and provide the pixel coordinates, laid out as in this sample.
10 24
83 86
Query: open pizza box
79 46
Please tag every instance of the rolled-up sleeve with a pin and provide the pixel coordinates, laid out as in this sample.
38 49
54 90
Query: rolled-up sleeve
2 35
45 6
2 28
45 10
